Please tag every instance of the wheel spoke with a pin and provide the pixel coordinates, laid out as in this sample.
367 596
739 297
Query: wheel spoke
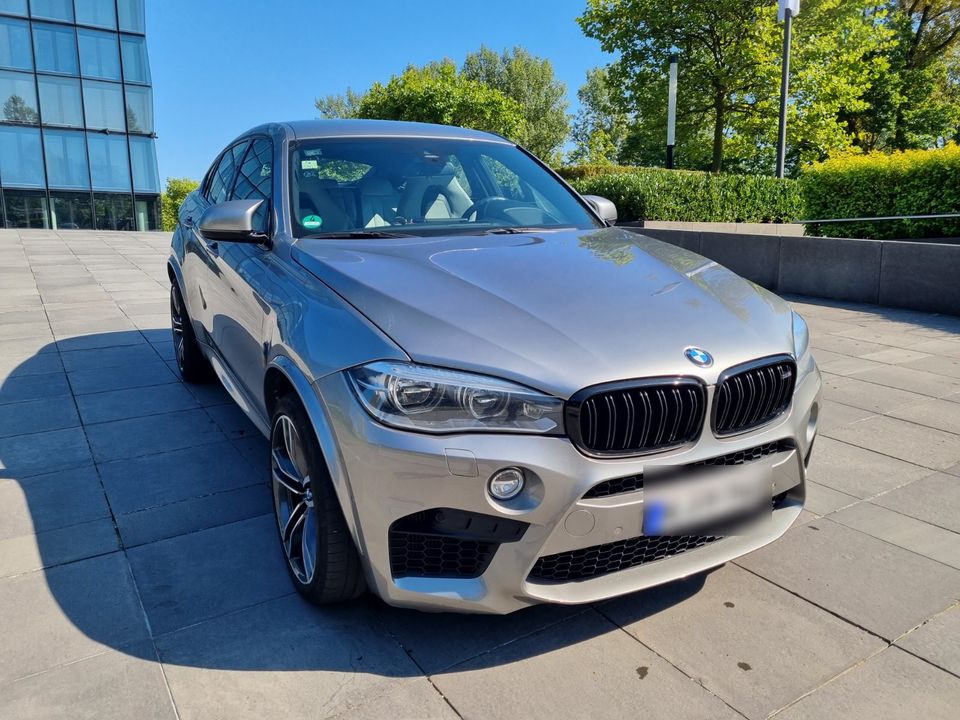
308 543
286 476
296 518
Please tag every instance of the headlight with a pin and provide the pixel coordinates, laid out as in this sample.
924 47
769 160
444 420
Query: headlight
428 399
801 336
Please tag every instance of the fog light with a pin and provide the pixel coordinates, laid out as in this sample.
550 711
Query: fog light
506 484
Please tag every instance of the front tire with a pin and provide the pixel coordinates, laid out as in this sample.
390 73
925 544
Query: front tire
321 556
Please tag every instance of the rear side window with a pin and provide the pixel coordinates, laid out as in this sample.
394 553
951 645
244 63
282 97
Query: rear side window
255 179
222 179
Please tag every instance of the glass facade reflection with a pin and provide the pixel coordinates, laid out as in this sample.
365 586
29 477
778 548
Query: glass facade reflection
76 116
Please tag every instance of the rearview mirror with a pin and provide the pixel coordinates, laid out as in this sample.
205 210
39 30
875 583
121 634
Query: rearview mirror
232 221
603 207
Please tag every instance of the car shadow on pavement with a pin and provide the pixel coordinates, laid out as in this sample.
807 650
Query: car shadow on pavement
140 506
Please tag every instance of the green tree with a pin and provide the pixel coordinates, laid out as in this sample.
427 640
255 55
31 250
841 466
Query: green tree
729 74
437 93
601 125
15 109
530 81
177 189
339 106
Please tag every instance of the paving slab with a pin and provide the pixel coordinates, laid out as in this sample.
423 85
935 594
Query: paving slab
134 402
866 581
49 502
62 615
44 452
859 472
113 685
56 547
32 416
903 531
940 414
230 567
917 444
934 499
586 667
890 686
791 648
937 641
867 395
154 434
283 658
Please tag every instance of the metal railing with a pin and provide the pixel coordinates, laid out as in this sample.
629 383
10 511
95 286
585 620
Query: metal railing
872 219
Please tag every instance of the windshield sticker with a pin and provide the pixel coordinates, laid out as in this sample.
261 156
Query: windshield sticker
312 222
309 165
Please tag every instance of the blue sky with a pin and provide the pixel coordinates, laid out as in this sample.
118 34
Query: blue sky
220 67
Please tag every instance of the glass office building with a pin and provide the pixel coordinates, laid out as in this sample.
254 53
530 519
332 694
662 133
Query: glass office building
76 116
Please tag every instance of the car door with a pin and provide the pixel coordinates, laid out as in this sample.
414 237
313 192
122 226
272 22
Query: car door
237 327
205 292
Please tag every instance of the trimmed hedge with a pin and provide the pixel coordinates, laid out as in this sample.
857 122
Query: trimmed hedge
915 182
683 195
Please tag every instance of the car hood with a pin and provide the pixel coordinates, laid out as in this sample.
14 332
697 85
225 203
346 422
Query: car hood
557 310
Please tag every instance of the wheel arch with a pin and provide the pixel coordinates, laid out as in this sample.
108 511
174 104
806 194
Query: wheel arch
282 377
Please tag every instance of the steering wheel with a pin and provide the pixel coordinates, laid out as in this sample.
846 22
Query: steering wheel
479 208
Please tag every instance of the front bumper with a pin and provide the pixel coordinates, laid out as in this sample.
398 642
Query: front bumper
391 474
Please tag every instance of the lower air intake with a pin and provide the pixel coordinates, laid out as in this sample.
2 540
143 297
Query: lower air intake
612 557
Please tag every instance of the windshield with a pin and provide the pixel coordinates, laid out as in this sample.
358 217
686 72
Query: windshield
384 187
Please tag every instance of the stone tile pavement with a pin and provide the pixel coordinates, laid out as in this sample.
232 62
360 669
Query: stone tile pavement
140 576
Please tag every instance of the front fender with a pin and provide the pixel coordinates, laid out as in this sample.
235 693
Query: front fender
323 431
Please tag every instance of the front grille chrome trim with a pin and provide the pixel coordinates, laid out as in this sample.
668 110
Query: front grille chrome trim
640 401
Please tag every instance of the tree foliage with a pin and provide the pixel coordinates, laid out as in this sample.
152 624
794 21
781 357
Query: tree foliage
529 81
177 189
437 93
15 109
730 72
601 125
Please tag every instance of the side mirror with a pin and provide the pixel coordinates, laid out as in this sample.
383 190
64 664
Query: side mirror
603 207
232 221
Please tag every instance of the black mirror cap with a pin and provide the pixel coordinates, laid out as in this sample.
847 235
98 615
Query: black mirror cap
603 207
232 221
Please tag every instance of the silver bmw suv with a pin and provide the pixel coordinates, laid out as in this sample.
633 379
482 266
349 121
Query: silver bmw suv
479 394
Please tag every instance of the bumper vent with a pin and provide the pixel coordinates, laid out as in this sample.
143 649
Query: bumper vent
636 417
631 483
446 543
752 395
612 557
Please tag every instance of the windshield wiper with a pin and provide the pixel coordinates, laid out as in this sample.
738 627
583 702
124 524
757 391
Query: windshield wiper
354 234
515 230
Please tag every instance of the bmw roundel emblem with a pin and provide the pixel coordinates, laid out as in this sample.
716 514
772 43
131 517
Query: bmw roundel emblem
699 357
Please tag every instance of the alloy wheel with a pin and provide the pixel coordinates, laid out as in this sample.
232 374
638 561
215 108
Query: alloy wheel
293 499
176 322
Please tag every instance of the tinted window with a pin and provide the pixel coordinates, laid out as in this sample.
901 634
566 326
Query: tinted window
60 101
131 15
66 152
255 180
144 157
97 12
71 211
56 49
136 67
103 103
15 44
18 98
99 55
14 7
109 164
52 9
425 186
139 109
21 163
222 179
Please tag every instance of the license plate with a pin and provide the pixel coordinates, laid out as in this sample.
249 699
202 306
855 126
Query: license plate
707 501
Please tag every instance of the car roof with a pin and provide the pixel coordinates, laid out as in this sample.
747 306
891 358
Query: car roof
303 129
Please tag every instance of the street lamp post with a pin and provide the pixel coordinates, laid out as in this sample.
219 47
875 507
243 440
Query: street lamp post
788 9
672 109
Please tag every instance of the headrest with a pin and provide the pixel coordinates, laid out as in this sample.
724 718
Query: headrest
378 186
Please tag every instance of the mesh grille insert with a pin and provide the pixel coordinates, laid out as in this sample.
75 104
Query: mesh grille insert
418 555
632 483
612 557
